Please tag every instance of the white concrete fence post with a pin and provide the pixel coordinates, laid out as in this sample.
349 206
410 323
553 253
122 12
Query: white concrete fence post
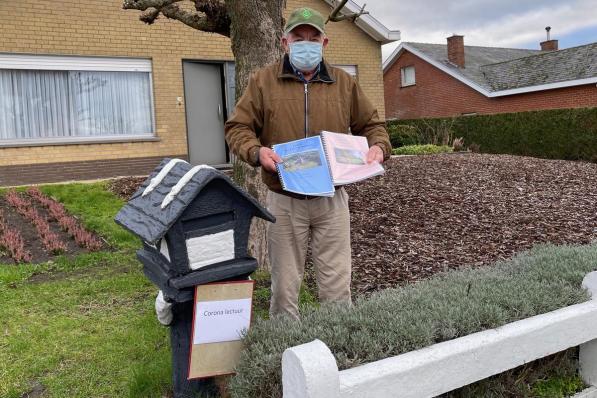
310 371
588 351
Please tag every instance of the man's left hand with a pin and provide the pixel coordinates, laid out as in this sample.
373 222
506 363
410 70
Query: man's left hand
375 154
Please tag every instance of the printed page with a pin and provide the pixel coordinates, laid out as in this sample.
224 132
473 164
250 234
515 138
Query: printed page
304 168
221 321
347 155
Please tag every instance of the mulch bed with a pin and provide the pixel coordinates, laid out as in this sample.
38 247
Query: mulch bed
125 187
433 213
438 212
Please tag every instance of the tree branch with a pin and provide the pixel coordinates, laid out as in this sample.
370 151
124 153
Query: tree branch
211 15
335 17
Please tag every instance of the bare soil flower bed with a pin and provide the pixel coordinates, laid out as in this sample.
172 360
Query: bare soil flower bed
438 212
432 213
35 228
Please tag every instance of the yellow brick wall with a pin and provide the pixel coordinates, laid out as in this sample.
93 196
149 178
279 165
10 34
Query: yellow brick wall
103 28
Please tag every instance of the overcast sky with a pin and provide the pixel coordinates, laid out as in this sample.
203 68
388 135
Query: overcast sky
498 23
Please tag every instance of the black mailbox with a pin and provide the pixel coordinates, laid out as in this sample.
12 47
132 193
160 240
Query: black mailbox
194 223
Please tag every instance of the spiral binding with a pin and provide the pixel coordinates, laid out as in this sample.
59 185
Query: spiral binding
278 171
327 158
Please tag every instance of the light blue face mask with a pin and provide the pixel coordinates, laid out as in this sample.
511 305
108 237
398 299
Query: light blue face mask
306 55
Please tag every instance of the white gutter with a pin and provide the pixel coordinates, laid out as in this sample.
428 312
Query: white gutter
542 87
490 94
370 25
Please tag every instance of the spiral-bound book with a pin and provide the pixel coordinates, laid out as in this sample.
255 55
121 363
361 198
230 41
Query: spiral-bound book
304 168
314 165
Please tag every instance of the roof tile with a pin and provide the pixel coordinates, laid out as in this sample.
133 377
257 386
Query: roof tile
497 69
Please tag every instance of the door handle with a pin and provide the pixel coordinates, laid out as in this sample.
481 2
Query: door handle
220 114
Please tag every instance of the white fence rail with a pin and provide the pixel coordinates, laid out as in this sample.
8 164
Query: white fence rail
310 370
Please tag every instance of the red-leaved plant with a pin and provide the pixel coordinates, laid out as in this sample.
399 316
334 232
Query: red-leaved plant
24 207
12 242
68 223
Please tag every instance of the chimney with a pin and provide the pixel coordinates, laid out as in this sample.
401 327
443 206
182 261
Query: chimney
456 50
549 45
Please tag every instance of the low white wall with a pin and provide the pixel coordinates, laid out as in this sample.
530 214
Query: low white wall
446 366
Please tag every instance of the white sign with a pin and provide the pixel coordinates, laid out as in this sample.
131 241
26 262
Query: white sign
220 321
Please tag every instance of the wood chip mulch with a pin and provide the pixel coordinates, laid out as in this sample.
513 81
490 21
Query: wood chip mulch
125 187
438 212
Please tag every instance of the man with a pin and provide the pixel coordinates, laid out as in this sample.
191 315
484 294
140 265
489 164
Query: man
296 98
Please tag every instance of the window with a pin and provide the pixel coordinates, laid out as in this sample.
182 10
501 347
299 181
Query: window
351 69
407 75
52 98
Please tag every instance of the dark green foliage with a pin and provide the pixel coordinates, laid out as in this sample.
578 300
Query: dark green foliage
403 134
398 320
569 134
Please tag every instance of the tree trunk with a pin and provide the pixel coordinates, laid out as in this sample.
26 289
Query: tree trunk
256 30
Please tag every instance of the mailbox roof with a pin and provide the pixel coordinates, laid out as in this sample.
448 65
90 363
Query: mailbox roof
144 215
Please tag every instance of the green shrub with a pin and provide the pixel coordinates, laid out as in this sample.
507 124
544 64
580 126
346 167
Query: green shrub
421 149
398 320
401 135
569 134
438 132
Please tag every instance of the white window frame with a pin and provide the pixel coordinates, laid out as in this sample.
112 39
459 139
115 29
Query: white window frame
81 63
349 68
403 76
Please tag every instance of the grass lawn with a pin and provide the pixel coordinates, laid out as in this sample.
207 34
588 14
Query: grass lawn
86 327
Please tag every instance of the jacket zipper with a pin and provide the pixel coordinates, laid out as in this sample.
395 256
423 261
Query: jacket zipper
306 109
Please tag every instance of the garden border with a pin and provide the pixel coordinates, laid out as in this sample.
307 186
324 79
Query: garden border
310 370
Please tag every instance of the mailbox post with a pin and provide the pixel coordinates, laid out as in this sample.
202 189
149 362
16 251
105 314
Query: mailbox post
194 224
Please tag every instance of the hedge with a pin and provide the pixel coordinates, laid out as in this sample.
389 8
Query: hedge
399 320
569 134
427 149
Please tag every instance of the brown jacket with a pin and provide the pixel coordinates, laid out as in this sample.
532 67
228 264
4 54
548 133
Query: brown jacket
278 107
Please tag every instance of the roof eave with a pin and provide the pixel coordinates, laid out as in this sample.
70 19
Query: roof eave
490 94
392 58
543 87
370 25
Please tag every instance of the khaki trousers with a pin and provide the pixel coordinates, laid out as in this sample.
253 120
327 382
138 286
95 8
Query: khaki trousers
328 221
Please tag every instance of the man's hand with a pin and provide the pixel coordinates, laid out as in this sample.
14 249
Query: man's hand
375 154
268 159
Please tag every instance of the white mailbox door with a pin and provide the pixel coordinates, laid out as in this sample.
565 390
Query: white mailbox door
210 249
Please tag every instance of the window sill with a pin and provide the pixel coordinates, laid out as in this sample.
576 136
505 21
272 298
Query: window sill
76 141
408 85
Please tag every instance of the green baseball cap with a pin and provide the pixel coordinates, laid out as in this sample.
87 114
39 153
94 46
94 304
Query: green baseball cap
305 16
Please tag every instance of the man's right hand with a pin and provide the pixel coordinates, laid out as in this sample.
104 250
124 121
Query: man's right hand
268 159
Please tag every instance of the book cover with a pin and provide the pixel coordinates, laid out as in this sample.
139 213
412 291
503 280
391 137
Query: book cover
304 168
347 157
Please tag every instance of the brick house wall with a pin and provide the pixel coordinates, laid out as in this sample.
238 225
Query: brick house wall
437 94
103 28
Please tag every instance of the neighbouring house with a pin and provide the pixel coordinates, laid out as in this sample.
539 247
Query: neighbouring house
88 91
443 80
